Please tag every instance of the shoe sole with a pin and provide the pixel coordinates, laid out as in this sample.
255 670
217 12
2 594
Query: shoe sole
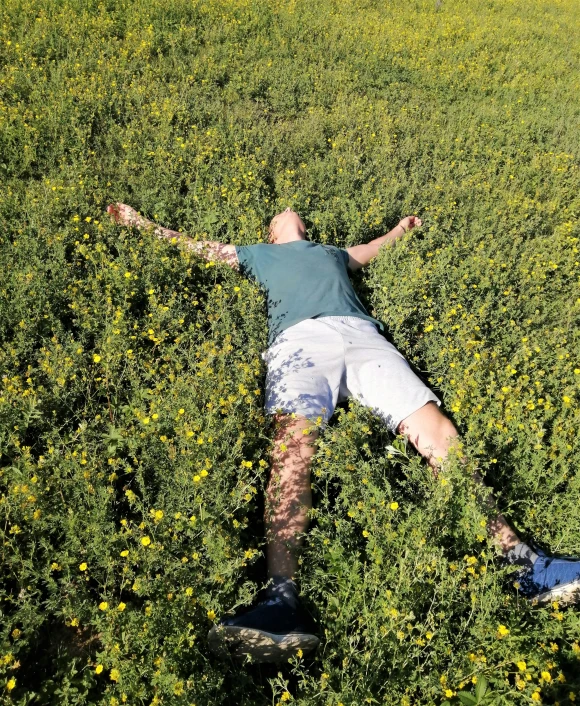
229 640
565 595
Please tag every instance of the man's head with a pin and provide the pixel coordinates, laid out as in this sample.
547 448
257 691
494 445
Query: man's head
286 227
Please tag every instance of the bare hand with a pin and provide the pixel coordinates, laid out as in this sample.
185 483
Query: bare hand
125 215
410 222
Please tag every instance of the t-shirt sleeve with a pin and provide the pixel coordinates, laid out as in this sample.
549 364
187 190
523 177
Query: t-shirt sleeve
247 258
345 256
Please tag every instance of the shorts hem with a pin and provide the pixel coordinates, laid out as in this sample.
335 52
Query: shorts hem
297 411
432 397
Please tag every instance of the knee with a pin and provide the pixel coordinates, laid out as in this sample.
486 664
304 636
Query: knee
429 430
298 427
444 431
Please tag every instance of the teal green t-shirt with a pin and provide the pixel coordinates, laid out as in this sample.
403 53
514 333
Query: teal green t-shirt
302 280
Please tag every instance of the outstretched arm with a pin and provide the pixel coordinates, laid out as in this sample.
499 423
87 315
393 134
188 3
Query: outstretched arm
208 249
361 255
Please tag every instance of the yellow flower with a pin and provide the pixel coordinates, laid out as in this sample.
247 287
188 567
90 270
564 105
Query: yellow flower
121 606
521 666
536 696
365 533
158 514
83 566
286 696
11 684
125 552
394 506
448 693
546 676
145 541
502 631
96 358
211 614
98 668
103 605
115 674
181 411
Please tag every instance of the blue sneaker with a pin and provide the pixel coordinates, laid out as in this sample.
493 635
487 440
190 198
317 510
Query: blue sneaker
551 579
270 631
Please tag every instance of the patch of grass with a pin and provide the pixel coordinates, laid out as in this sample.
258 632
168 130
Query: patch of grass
133 443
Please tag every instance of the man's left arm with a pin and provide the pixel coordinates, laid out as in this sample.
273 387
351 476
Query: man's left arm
361 255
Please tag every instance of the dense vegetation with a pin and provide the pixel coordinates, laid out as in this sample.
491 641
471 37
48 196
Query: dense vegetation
133 445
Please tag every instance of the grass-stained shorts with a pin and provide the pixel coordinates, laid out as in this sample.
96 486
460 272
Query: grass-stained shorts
317 363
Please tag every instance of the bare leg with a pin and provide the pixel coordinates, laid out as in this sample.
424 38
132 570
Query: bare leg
433 435
288 495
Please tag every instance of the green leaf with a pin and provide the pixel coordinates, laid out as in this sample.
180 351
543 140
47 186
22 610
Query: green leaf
467 699
480 689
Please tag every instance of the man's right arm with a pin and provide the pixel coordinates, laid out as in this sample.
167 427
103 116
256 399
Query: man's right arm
208 249
212 250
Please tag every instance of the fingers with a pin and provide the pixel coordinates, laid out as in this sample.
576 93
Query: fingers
113 210
124 215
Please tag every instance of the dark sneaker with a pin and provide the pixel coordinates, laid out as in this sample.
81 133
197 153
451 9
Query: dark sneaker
270 631
551 579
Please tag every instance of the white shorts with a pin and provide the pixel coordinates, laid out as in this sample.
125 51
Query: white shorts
317 363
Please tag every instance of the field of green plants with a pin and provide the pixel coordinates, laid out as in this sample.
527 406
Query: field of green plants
133 444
